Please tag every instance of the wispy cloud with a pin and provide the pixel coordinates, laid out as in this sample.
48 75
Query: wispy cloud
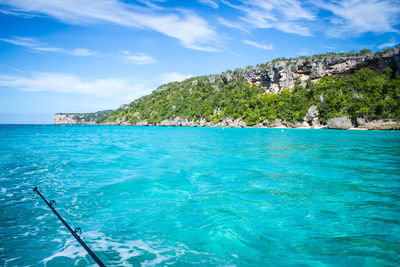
211 3
284 15
233 25
22 41
82 52
192 31
388 44
35 45
360 16
344 17
258 45
6 11
174 77
151 4
138 58
71 83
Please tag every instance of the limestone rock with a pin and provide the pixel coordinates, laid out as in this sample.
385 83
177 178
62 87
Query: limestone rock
124 106
339 123
300 124
211 79
315 122
80 118
278 124
226 78
142 123
312 113
361 122
378 124
282 74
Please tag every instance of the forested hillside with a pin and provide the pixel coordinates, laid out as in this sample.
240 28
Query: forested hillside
302 92
371 92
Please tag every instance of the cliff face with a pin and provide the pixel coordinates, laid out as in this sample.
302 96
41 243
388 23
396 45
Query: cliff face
71 118
81 118
283 74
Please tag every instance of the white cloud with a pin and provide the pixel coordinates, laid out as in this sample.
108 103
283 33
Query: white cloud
258 45
70 83
290 9
49 49
139 58
284 15
211 3
173 77
192 31
22 41
82 52
388 44
233 25
347 17
35 45
151 4
360 16
294 28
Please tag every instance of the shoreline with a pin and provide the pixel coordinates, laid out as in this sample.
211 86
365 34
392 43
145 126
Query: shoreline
232 127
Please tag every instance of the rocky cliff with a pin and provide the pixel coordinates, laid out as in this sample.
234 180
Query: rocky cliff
272 78
81 118
278 75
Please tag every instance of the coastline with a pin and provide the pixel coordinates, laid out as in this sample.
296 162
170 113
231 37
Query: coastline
320 127
310 122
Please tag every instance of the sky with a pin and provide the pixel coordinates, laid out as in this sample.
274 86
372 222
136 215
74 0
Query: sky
91 55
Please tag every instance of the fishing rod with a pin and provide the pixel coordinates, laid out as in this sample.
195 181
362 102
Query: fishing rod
51 205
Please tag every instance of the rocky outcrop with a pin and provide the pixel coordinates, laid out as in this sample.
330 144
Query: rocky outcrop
283 74
345 123
226 122
71 118
81 118
342 123
377 124
312 116
278 123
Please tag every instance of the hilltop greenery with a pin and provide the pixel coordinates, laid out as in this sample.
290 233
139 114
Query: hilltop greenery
366 93
97 117
352 53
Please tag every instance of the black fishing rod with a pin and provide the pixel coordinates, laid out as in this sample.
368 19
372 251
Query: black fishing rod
73 232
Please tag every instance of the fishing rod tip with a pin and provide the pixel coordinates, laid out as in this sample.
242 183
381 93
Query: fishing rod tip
35 189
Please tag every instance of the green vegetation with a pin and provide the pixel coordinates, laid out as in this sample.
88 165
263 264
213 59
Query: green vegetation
352 53
366 93
97 117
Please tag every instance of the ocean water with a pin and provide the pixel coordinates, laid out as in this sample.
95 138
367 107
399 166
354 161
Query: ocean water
150 196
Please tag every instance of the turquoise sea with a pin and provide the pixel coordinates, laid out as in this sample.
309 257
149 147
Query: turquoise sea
155 196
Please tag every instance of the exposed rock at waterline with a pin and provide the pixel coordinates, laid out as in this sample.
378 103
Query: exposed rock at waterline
377 124
342 123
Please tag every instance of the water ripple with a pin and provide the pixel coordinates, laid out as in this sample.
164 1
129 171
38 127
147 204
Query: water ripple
183 196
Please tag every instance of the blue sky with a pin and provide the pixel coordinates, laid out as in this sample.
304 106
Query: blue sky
90 55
